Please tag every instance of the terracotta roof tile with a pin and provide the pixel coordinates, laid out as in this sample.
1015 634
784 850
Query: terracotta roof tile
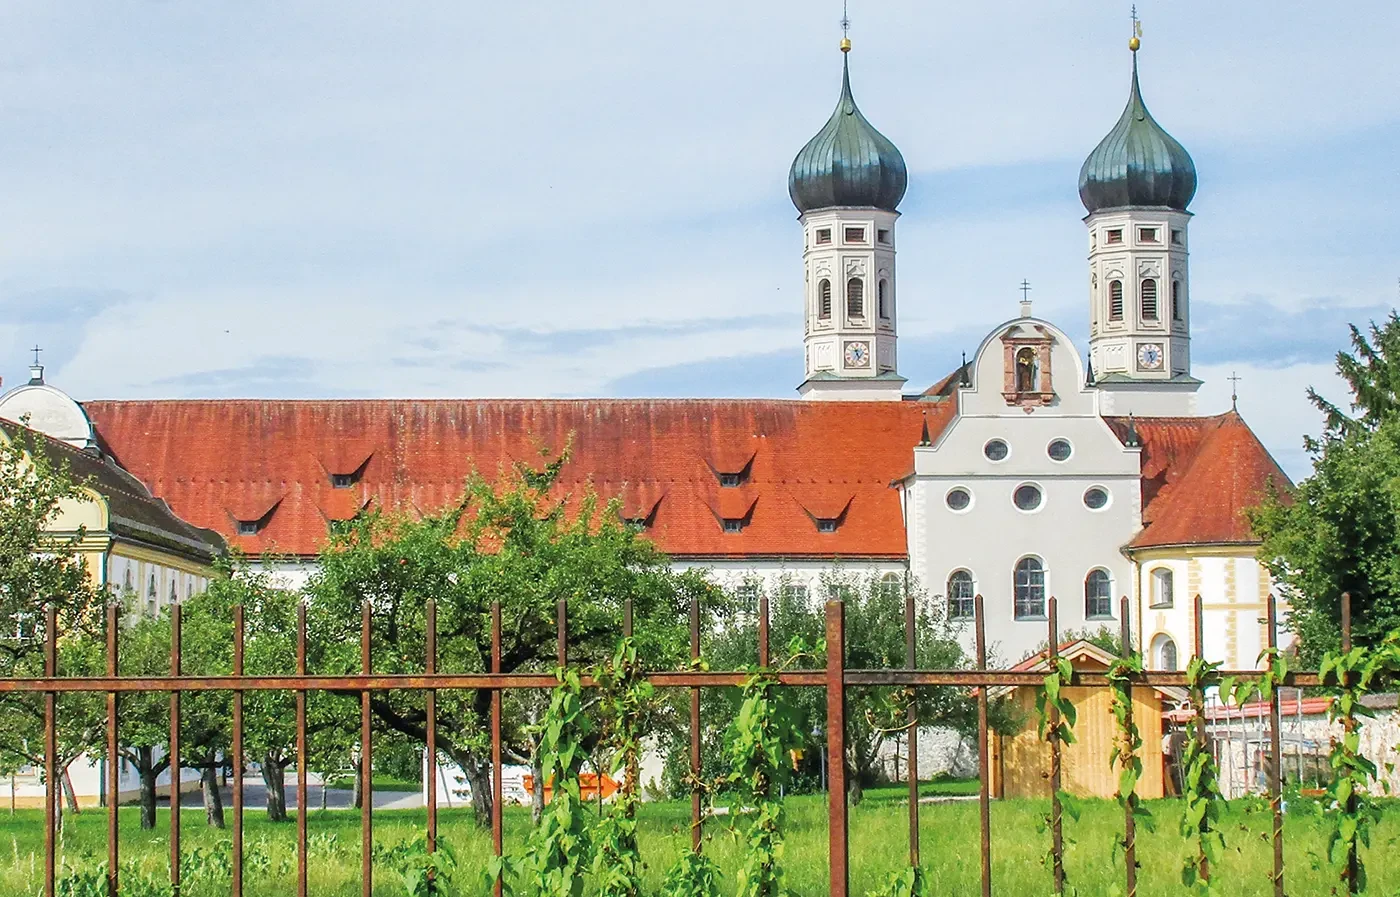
215 461
1198 477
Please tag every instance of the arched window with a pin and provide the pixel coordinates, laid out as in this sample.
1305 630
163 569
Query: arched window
1164 653
1030 588
824 299
1162 588
174 593
129 582
1115 300
961 592
855 298
1098 595
884 301
152 598
1149 299
1176 300
890 586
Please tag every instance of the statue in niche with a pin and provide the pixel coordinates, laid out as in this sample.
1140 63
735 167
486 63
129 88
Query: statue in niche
1027 370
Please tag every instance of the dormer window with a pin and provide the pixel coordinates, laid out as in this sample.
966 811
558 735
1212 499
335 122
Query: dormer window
826 524
823 236
855 235
730 480
249 527
342 480
733 524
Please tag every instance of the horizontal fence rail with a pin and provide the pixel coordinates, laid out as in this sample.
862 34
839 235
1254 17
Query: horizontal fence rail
834 677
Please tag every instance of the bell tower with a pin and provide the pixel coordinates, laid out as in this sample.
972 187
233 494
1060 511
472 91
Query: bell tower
846 184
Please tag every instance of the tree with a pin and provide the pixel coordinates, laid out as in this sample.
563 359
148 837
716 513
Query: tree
39 567
875 639
1339 530
523 542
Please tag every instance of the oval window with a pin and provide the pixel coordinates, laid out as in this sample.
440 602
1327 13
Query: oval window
1060 450
996 450
959 499
1096 499
1027 497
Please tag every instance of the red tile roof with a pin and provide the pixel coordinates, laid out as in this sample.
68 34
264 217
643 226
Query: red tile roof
221 462
1198 477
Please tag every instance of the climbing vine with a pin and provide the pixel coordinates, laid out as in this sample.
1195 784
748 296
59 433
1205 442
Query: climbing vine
1351 675
1049 702
1201 787
1127 740
625 698
559 849
765 730
907 882
693 875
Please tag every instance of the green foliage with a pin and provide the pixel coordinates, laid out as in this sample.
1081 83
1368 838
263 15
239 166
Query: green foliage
908 882
1051 698
1127 740
693 875
1339 530
1204 802
625 699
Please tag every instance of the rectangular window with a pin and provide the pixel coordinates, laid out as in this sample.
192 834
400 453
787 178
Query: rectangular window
882 236
1114 236
1162 588
1147 235
748 595
855 235
826 525
342 480
247 527
733 525
729 480
794 592
1178 238
823 236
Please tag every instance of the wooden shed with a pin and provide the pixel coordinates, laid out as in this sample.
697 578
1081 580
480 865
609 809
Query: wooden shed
1020 762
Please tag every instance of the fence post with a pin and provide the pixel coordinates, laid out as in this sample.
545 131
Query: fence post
175 753
984 794
1125 633
303 808
430 708
1057 831
497 811
50 749
366 765
840 883
1276 752
1353 871
696 824
911 660
113 758
1198 700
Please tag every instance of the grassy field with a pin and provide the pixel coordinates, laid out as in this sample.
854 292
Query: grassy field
878 845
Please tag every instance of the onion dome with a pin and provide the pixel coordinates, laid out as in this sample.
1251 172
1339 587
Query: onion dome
848 163
1138 163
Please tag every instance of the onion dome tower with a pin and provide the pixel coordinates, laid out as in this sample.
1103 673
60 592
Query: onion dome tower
846 184
1136 186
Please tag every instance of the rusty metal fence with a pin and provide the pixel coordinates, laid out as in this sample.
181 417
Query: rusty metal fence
835 678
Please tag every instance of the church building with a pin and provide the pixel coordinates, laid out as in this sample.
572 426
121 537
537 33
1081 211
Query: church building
1029 471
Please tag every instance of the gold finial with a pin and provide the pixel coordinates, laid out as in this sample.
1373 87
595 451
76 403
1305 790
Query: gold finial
1136 40
845 29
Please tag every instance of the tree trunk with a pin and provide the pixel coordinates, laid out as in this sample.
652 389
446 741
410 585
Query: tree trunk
213 800
855 783
356 795
146 772
479 783
68 795
536 789
274 775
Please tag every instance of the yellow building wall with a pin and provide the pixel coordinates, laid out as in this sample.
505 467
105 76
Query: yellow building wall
1020 763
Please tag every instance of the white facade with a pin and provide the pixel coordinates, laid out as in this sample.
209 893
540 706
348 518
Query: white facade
850 331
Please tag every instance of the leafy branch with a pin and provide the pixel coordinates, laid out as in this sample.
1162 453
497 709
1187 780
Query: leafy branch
1200 778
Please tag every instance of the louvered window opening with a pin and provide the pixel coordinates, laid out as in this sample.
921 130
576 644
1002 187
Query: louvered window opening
1149 299
1176 300
855 235
881 290
855 298
824 299
1115 300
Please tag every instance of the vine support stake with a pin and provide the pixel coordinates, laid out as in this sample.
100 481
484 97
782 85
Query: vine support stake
1353 872
840 883
984 796
366 766
113 756
497 811
430 709
175 753
1130 804
696 825
1198 727
50 748
1057 832
1276 753
911 660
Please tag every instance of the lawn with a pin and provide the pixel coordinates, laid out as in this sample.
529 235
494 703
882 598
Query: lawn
878 845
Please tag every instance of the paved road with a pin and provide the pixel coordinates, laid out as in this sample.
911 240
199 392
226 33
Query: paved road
255 796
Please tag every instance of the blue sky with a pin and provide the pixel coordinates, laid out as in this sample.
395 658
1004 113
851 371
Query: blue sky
352 198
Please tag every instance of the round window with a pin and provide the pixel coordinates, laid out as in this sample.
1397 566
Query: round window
959 499
1096 499
1060 450
996 450
1027 497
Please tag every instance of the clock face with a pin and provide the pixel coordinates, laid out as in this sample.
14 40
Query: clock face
857 355
1150 356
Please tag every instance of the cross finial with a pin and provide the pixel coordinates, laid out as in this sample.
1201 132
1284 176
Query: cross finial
1234 390
36 350
845 28
1025 290
1136 40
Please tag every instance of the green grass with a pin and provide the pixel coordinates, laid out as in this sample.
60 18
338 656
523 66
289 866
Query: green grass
380 783
878 845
